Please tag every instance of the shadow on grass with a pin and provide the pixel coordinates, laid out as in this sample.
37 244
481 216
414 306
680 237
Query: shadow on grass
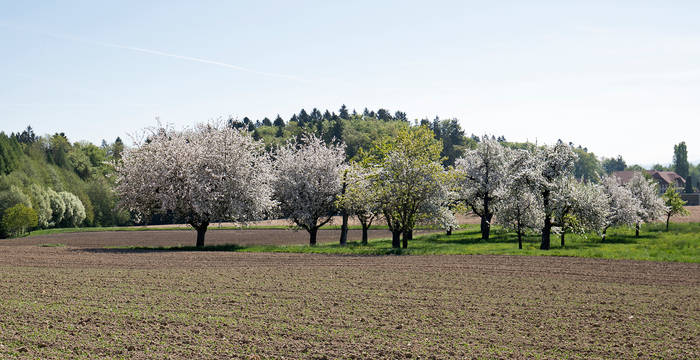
467 238
145 249
622 239
352 248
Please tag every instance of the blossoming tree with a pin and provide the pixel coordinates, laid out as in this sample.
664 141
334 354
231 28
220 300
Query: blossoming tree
578 207
623 207
652 206
483 174
205 174
522 210
361 198
551 164
308 182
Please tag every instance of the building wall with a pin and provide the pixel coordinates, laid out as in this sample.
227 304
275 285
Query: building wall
693 199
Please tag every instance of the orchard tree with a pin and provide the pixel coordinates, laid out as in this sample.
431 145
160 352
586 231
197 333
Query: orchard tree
522 210
623 207
674 204
408 175
652 206
482 177
578 207
550 164
209 173
308 182
361 197
440 207
521 213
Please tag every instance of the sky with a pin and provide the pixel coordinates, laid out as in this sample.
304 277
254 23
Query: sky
617 77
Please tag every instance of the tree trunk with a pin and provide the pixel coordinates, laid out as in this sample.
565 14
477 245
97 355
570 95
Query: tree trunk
449 232
407 235
364 234
668 219
547 229
395 239
312 236
563 233
636 230
520 240
344 230
605 233
201 231
486 221
344 227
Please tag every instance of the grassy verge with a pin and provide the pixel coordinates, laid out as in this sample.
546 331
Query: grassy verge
680 244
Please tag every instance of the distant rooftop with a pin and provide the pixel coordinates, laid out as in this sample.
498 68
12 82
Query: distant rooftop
669 177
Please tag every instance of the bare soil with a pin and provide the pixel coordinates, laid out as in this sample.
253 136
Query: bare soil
693 217
81 301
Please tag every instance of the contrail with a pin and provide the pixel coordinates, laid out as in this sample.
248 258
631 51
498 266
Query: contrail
160 53
200 60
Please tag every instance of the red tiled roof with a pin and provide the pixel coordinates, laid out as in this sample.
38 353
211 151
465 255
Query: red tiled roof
669 177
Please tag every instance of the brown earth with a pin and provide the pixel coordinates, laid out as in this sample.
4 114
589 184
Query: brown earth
85 302
693 217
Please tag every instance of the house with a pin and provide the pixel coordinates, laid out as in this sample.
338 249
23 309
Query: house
667 178
663 178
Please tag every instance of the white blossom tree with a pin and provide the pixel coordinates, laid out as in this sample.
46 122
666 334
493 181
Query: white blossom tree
209 173
623 207
361 198
652 206
75 211
439 209
551 164
521 213
577 207
483 174
521 208
58 207
308 182
41 204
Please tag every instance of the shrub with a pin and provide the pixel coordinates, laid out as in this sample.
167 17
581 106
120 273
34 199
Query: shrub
18 219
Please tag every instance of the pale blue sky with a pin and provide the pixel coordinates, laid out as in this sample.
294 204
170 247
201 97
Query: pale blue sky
620 77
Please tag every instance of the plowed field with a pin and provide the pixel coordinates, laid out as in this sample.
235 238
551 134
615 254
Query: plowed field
82 301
